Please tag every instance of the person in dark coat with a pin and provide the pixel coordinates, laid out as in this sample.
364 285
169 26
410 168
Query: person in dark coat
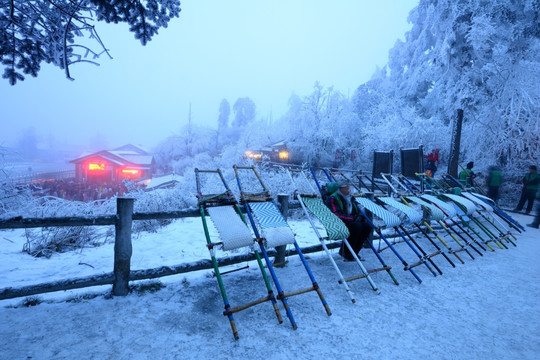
530 187
344 206
536 221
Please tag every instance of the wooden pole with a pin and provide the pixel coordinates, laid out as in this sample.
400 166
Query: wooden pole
122 246
455 144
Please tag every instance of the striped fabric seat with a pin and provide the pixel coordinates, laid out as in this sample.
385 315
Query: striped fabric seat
466 204
233 232
478 202
274 229
447 208
413 216
335 228
435 213
389 219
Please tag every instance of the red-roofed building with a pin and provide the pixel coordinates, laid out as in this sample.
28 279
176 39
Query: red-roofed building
126 162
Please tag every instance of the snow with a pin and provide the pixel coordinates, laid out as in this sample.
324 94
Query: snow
486 308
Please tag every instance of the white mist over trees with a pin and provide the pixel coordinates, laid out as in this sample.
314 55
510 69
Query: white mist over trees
481 57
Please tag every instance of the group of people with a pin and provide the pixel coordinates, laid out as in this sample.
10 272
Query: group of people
529 192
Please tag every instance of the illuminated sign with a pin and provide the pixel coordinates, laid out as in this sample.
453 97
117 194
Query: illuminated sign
130 171
96 167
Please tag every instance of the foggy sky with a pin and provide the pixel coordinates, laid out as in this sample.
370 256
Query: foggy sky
265 50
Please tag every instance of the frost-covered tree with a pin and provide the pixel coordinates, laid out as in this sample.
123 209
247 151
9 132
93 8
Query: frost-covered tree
319 124
53 31
179 151
223 123
482 57
224 112
244 112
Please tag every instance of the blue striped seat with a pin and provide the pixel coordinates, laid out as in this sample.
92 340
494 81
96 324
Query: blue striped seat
274 229
413 216
389 219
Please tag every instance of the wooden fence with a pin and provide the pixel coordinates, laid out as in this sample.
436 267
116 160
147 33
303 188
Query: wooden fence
122 273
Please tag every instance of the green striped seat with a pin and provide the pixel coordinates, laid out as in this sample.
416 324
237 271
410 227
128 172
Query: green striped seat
335 228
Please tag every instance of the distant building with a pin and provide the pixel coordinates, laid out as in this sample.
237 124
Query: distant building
126 162
276 152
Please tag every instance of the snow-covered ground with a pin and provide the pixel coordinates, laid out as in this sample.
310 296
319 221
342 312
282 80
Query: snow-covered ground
486 308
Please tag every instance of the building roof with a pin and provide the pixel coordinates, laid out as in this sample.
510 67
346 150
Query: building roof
127 155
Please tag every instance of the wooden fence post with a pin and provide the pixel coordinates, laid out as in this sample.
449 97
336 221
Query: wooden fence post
279 259
122 246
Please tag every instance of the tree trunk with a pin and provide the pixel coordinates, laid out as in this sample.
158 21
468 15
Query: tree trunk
455 144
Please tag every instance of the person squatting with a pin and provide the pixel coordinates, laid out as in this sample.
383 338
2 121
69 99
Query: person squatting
343 204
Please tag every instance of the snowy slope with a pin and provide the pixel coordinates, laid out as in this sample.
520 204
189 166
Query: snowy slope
485 308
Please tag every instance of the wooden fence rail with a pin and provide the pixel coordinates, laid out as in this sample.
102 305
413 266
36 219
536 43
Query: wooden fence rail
122 273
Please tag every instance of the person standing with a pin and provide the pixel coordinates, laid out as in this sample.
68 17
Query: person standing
494 181
530 187
432 161
344 206
536 221
467 175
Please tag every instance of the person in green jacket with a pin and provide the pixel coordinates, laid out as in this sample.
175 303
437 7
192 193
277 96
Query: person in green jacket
467 175
494 181
530 187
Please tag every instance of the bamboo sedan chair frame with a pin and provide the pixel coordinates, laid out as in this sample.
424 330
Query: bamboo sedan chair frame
406 215
270 228
471 215
338 231
488 214
409 215
427 216
385 267
448 222
431 212
384 218
496 209
226 201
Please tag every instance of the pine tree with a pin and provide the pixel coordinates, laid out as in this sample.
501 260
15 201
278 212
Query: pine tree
37 31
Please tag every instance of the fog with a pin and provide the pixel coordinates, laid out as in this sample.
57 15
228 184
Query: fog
258 49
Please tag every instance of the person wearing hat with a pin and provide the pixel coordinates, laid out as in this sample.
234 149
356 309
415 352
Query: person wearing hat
530 187
467 175
344 206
